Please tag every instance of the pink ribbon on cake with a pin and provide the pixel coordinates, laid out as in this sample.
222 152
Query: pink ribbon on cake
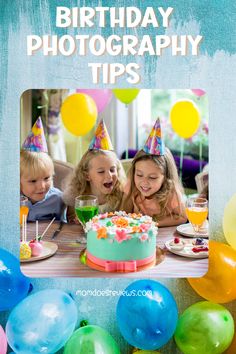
120 266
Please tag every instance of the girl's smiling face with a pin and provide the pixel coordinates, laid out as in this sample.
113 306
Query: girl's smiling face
148 177
102 175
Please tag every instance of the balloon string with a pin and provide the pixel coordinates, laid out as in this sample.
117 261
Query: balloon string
127 147
127 153
80 147
181 159
200 154
112 127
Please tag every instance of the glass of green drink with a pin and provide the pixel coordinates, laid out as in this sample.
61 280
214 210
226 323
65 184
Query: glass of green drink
86 207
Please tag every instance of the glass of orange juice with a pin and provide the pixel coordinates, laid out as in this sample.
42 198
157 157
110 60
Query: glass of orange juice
197 211
24 209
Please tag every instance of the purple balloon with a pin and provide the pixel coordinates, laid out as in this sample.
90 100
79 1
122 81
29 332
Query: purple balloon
100 97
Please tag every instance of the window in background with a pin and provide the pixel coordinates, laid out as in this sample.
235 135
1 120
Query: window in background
157 103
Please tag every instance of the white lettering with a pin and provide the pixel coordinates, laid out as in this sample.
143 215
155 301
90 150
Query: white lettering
195 43
34 43
146 46
95 71
149 18
165 15
134 77
162 41
86 14
133 16
63 17
102 19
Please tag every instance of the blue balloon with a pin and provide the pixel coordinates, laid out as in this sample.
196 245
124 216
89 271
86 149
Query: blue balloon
14 286
42 322
147 314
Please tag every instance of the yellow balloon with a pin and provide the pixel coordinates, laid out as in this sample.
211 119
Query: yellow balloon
79 113
126 95
185 118
229 222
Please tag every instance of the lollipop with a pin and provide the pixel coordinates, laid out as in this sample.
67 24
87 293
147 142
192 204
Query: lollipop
25 250
35 244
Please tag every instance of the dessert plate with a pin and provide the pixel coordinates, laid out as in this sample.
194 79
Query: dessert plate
49 249
187 230
186 251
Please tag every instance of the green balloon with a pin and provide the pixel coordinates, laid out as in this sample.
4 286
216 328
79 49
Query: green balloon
126 95
91 340
206 328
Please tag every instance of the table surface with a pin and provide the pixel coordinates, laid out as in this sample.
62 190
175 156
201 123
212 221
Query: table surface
66 263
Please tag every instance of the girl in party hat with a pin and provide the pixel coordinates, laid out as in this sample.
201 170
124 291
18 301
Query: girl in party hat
99 173
36 178
154 188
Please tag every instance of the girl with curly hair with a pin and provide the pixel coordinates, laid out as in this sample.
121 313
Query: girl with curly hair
100 173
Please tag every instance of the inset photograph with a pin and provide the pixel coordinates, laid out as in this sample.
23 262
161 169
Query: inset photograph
114 183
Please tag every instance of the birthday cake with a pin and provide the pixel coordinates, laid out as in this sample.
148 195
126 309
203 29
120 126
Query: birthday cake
121 242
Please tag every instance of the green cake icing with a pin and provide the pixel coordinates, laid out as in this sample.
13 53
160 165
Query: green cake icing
121 237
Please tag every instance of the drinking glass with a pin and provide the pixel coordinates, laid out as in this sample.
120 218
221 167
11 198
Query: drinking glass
197 211
24 209
86 207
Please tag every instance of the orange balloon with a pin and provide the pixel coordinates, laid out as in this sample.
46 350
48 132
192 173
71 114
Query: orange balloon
219 283
232 347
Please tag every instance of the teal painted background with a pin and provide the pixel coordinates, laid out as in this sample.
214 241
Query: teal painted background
214 70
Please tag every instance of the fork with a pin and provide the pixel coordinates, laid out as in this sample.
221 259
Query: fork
58 230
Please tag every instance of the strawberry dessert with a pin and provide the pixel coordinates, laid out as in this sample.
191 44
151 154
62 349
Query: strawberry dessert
177 244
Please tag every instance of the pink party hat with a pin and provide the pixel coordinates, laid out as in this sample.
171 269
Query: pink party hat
154 144
36 141
101 140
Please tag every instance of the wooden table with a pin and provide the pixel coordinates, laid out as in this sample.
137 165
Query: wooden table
66 263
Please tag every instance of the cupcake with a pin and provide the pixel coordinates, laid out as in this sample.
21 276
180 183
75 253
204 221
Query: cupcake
199 242
177 244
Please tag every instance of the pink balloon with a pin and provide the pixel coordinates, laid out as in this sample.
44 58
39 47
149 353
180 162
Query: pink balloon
101 97
198 92
3 341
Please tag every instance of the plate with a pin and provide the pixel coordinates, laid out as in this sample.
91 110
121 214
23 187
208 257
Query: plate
187 250
49 249
187 230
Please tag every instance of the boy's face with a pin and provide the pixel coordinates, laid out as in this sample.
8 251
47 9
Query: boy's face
148 177
37 187
102 175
